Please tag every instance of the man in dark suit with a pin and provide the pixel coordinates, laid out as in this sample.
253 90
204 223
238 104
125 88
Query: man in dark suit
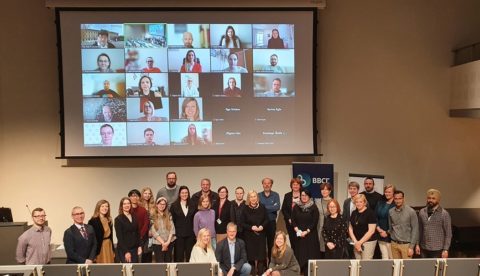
232 255
79 240
102 40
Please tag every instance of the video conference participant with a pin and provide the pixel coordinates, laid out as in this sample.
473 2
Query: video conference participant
276 89
103 63
187 40
150 68
188 35
107 132
273 67
149 113
107 115
140 35
230 40
102 40
190 110
106 91
191 63
131 61
232 64
104 110
192 138
149 136
232 90
189 89
145 86
140 134
275 42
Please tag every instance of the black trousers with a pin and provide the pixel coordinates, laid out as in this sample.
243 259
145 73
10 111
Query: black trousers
147 258
291 236
183 248
133 253
163 256
335 253
430 254
259 269
270 234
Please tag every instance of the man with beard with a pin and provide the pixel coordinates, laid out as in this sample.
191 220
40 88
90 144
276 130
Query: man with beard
372 196
170 192
435 228
33 246
273 67
403 228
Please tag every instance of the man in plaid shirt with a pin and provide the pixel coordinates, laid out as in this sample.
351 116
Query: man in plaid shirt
435 228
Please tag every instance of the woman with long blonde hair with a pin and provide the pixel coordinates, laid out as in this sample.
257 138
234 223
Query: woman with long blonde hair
102 224
147 201
282 261
163 232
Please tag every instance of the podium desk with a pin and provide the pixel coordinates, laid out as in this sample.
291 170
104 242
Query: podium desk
9 233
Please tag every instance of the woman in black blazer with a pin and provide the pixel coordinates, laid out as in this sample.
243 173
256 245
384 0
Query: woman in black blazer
101 222
222 208
182 212
128 237
289 201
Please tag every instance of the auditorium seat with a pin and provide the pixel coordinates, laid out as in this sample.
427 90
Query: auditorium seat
417 267
19 270
149 269
105 270
376 268
461 266
62 270
330 267
189 269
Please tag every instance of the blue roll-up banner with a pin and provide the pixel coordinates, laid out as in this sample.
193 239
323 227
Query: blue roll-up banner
312 175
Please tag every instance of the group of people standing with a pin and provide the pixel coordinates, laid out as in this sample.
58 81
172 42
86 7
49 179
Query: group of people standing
240 234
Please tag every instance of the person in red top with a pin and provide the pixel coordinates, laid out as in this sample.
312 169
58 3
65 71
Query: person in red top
141 216
150 68
191 63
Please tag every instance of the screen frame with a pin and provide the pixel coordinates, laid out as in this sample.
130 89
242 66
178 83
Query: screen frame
315 130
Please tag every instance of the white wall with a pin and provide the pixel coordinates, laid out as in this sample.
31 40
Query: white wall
383 109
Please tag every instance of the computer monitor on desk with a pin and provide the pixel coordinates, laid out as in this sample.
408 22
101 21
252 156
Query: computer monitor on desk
6 215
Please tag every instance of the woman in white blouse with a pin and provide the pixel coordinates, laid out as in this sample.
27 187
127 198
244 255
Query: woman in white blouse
203 252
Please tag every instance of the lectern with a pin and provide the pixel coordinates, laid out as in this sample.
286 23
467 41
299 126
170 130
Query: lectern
10 231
